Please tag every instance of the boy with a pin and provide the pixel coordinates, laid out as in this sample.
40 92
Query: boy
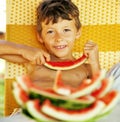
58 26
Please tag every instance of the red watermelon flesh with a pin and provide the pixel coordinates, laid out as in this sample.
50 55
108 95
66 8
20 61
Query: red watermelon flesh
72 115
66 65
86 87
105 86
20 95
34 109
59 87
110 99
26 83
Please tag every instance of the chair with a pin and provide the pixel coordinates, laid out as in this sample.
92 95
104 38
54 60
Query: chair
101 23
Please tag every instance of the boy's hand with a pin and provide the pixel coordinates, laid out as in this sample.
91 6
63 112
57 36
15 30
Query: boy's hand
35 55
91 50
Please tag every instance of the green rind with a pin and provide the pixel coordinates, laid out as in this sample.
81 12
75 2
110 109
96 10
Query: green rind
26 113
38 116
63 116
60 101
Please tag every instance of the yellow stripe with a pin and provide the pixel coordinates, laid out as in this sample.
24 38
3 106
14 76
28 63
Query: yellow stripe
106 36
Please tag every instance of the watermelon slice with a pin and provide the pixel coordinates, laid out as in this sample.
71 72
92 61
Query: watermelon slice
106 85
61 101
19 94
86 87
26 83
89 102
35 92
59 86
72 115
110 99
66 65
34 109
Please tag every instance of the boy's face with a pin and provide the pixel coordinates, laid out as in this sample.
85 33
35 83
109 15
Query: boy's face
59 38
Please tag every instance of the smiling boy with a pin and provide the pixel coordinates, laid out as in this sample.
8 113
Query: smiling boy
58 26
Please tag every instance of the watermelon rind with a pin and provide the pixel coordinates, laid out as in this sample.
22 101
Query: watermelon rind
108 108
37 115
21 80
90 88
59 87
81 117
108 87
62 101
67 66
16 92
112 104
103 92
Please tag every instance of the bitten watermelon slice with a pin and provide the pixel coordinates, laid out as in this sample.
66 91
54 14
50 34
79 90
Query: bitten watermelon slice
34 109
104 88
35 92
19 94
72 115
66 65
110 99
26 83
86 87
89 85
59 86
42 103
61 101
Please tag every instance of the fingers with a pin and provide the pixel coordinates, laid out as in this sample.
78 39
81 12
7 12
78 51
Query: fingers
41 58
47 56
90 47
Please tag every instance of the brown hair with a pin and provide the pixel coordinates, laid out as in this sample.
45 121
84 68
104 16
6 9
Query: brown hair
51 10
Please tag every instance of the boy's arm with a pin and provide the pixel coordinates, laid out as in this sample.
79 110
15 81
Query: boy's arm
22 53
8 48
14 58
91 50
10 52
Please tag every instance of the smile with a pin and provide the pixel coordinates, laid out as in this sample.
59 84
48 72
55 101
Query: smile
60 46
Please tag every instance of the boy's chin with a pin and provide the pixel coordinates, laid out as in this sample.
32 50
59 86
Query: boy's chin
61 57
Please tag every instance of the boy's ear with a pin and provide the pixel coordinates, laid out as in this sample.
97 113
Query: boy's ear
39 38
78 34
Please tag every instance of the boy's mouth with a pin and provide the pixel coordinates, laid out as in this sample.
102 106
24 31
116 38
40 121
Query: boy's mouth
60 46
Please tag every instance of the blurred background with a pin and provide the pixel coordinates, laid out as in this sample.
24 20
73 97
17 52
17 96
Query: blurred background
2 62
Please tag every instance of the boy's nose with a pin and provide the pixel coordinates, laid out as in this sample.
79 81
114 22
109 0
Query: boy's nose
58 40
58 37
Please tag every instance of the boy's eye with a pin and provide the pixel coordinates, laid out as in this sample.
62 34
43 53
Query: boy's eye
49 32
66 30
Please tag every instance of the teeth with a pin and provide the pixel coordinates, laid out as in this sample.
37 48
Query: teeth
60 47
